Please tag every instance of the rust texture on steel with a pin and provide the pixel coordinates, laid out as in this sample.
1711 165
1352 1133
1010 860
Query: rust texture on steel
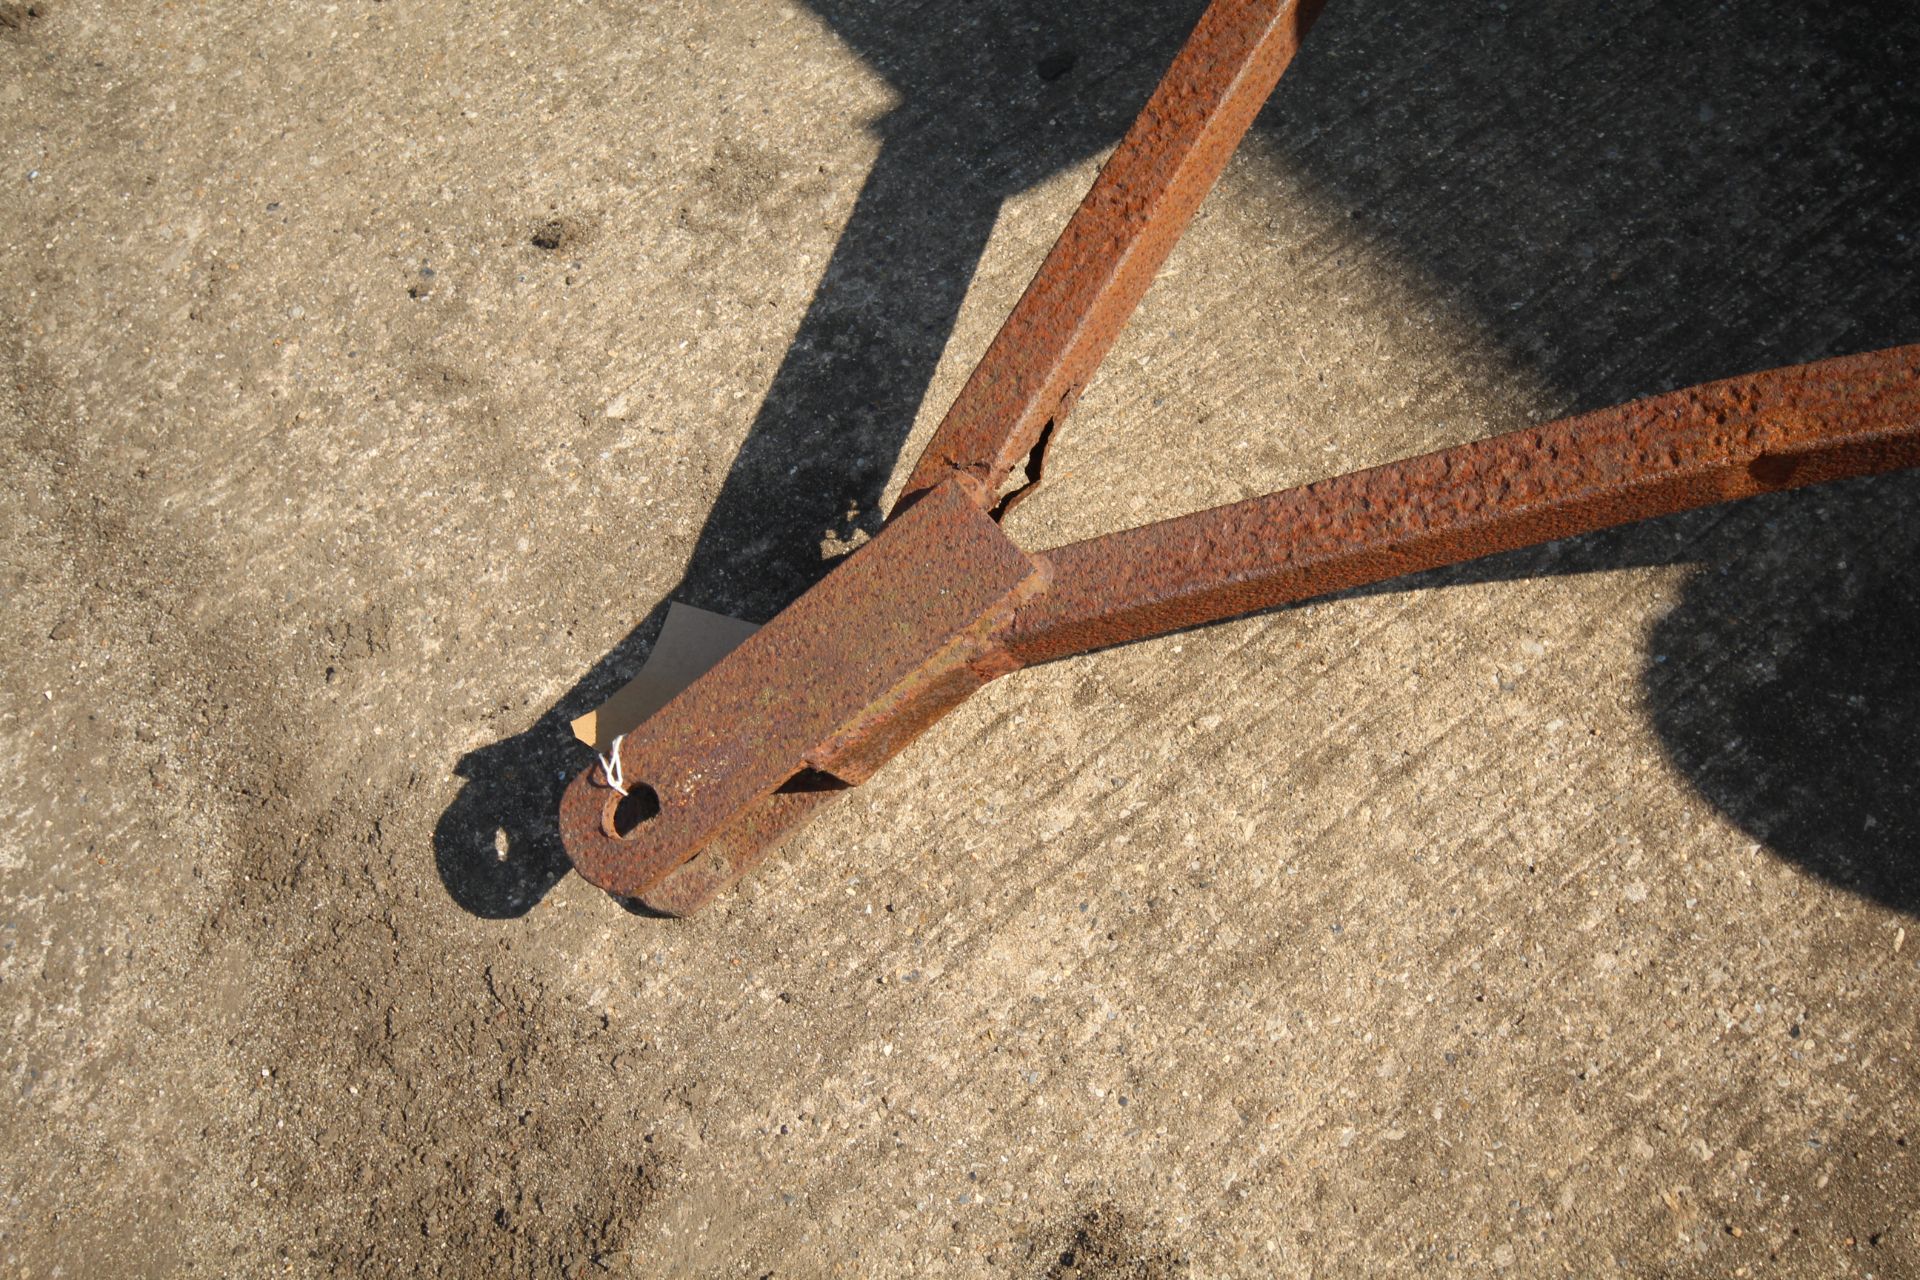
957 604
1098 270
908 612
940 602
732 854
1855 415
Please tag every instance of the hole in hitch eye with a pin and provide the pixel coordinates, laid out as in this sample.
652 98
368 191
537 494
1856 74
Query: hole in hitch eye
639 805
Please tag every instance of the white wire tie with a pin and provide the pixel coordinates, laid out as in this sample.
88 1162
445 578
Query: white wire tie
610 766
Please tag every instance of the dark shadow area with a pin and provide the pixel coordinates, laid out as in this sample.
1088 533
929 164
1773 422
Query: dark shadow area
497 846
1627 197
1786 685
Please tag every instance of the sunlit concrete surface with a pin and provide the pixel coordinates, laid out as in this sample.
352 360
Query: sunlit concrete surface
374 373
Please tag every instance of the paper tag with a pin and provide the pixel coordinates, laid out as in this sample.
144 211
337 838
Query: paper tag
691 642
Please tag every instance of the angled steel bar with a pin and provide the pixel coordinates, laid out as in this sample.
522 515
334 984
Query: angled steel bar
1099 269
1783 429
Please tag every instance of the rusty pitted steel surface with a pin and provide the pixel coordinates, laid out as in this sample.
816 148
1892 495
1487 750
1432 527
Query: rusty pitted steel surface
1786 428
940 602
1099 269
734 853
901 613
1855 415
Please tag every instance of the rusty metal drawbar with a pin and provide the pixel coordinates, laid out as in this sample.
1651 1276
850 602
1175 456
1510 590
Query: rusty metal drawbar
941 601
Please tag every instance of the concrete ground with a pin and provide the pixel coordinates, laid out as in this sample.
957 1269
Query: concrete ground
374 374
